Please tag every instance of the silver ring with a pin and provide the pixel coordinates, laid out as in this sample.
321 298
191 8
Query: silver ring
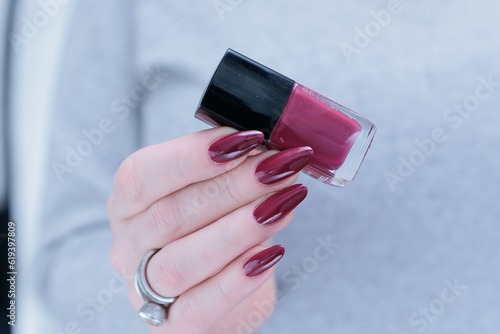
154 311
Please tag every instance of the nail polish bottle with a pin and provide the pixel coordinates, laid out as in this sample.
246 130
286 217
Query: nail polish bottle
246 95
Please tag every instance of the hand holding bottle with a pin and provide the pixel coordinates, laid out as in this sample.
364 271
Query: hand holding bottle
209 208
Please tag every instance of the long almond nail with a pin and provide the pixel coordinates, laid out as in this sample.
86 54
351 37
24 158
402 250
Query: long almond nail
235 145
263 260
280 204
283 164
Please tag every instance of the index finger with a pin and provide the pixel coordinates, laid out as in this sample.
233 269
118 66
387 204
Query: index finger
159 170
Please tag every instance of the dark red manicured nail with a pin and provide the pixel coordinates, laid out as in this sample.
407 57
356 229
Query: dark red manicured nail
283 164
234 145
280 204
263 260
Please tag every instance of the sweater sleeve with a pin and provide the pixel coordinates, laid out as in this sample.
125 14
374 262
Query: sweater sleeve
95 126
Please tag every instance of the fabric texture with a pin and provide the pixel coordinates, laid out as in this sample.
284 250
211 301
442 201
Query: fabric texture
410 246
3 170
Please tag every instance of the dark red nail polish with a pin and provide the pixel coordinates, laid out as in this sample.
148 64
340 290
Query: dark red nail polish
263 260
247 95
235 145
283 164
280 204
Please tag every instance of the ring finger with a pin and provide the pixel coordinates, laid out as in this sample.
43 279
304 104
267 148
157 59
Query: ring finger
201 307
188 261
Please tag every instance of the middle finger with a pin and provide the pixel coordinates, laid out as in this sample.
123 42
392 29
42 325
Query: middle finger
200 204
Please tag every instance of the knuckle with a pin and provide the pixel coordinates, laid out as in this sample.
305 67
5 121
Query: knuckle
180 213
157 214
230 190
230 237
168 274
189 313
127 181
176 167
224 295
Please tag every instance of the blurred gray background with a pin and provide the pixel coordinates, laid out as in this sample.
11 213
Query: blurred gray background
411 246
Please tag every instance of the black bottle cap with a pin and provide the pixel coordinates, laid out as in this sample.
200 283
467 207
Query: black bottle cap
245 95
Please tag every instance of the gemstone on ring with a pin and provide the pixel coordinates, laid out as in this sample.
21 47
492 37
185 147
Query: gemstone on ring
152 314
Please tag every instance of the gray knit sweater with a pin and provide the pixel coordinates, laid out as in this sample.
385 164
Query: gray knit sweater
410 246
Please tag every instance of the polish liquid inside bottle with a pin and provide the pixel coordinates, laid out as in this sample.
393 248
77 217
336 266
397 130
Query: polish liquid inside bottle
249 96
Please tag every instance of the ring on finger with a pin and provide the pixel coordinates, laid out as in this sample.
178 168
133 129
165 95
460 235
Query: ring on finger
155 310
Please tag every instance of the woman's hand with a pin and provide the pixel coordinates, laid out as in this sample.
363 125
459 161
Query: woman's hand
209 208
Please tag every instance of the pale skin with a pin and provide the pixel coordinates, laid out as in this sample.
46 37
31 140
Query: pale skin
173 197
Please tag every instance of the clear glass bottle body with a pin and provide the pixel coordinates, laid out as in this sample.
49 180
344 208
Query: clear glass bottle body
339 137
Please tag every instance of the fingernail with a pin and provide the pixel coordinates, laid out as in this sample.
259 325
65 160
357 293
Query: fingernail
280 204
263 260
234 145
283 164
